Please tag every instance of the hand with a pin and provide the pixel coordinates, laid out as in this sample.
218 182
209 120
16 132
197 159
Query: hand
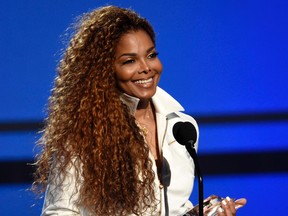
218 206
228 206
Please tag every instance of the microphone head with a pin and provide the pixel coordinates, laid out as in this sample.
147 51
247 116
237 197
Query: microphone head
184 132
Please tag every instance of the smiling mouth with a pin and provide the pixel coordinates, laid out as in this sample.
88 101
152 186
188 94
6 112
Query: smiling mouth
144 81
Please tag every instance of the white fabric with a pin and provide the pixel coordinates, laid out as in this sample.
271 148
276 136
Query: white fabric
178 167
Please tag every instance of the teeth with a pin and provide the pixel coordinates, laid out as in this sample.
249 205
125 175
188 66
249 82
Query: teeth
143 81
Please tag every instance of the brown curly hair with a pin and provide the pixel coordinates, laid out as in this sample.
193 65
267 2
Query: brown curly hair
88 122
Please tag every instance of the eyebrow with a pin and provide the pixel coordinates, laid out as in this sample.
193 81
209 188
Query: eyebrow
135 54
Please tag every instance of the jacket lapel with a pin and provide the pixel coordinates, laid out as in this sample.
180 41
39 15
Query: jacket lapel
165 107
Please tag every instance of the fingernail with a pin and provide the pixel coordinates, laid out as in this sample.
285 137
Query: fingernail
220 210
224 202
228 198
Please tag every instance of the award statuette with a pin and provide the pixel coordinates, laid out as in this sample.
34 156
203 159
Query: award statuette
211 205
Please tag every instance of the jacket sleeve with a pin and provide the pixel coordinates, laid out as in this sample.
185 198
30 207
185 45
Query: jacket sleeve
60 196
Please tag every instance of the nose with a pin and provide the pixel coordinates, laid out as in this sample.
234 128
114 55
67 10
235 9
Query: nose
144 67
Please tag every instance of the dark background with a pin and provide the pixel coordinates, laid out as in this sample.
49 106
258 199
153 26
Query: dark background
225 61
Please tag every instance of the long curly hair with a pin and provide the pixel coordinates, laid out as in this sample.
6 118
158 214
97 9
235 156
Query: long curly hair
88 124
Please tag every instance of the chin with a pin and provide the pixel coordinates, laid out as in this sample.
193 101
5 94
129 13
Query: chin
147 96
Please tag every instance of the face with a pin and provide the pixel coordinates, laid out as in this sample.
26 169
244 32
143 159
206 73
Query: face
137 65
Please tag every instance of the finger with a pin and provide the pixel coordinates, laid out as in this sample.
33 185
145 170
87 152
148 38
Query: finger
226 207
231 204
220 211
240 203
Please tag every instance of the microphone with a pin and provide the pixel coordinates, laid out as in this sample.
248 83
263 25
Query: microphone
185 133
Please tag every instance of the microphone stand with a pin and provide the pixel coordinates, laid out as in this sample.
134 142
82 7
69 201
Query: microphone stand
190 148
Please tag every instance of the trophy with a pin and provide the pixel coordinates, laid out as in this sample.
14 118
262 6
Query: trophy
211 205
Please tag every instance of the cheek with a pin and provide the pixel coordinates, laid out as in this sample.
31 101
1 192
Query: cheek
124 75
159 67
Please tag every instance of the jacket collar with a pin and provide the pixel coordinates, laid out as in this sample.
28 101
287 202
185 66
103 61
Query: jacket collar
165 103
162 101
130 101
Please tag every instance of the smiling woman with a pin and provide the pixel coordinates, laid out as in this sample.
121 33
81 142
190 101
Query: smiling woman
138 71
108 147
137 66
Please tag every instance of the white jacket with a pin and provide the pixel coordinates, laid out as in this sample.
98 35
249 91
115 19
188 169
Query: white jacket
177 171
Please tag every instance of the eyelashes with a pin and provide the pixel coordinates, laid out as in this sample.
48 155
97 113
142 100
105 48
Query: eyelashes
153 55
132 60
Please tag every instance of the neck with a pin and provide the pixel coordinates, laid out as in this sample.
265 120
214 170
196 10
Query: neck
144 111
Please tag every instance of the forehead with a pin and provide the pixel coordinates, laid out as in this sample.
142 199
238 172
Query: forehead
133 40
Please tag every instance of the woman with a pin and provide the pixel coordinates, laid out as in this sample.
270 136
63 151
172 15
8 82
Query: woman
108 147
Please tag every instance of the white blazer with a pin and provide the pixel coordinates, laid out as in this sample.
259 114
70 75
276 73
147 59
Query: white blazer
177 171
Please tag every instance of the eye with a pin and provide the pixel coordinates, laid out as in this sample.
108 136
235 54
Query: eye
153 55
129 61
